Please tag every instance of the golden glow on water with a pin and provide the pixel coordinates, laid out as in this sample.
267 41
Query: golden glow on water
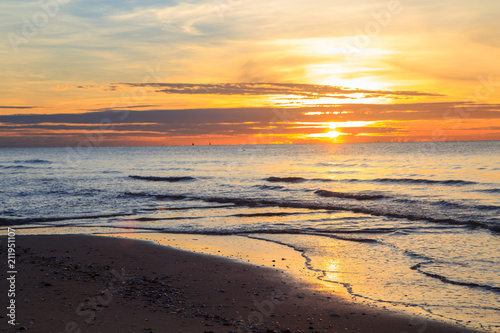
334 269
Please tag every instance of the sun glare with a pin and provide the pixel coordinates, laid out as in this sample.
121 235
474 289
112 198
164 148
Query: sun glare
328 135
333 126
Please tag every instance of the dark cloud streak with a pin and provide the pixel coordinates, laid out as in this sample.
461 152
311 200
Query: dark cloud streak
16 107
309 91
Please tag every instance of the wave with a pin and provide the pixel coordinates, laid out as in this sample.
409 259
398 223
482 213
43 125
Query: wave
179 169
417 256
297 180
491 190
34 161
259 202
9 221
285 179
329 206
158 196
342 195
267 232
450 205
347 235
447 204
173 197
272 188
163 179
150 219
188 208
458 283
15 167
266 214
450 182
423 181
139 194
487 207
302 232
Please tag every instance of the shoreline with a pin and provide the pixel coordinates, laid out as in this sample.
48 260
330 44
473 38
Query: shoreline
67 283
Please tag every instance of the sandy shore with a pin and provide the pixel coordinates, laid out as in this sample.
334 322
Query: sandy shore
97 284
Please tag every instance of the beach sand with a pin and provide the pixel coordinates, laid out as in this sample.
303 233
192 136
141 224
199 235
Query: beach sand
73 283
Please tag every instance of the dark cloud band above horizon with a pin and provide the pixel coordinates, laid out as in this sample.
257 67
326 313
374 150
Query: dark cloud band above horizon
124 126
197 117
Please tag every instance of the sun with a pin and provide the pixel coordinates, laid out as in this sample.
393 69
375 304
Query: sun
335 126
329 135
332 134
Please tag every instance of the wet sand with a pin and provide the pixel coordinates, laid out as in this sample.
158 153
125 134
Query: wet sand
76 284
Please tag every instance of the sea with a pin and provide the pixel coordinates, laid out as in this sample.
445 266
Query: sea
403 225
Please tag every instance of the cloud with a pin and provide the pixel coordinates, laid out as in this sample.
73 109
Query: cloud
425 52
370 130
308 91
199 117
17 107
170 120
131 126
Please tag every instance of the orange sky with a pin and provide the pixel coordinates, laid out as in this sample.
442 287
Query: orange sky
235 72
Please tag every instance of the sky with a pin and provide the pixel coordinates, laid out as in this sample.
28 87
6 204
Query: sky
130 72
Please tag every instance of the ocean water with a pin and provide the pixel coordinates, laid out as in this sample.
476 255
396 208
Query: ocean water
404 225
